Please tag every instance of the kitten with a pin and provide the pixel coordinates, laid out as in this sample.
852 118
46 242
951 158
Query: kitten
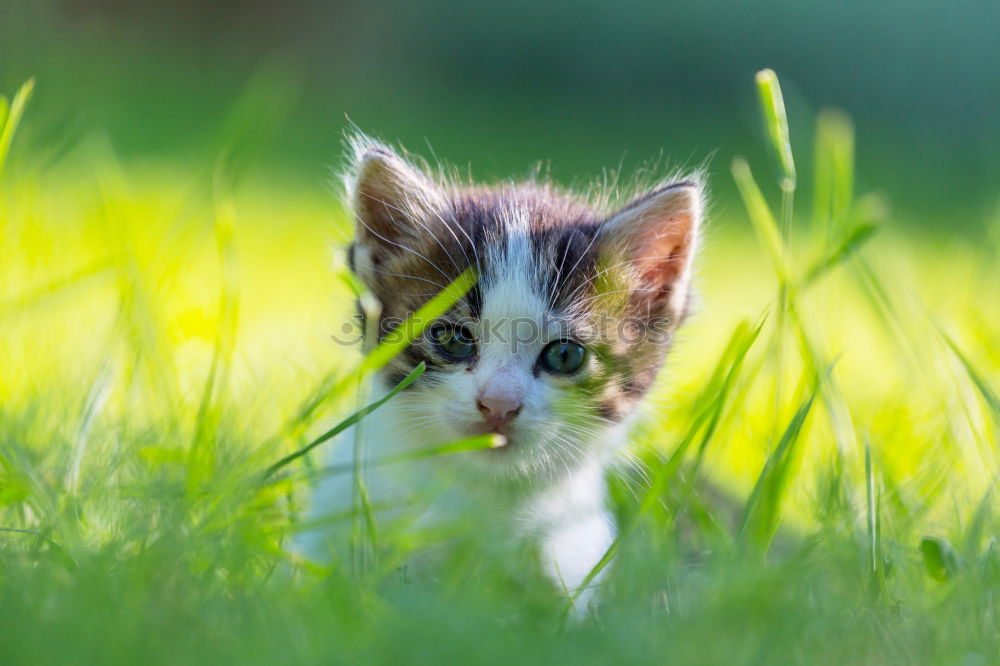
553 348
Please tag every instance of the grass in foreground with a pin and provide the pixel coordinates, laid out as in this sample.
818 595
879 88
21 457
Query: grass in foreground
815 477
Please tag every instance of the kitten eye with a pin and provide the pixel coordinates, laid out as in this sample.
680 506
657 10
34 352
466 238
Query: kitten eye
456 342
563 357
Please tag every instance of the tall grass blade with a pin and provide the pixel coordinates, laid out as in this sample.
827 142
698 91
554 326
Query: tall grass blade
763 508
364 535
834 179
414 326
713 400
772 106
466 445
983 386
346 423
776 121
203 454
12 118
141 323
264 103
4 111
333 386
874 525
872 514
96 399
739 346
850 245
19 304
761 217
58 552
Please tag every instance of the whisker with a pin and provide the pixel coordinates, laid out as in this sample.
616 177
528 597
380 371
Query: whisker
467 236
401 246
414 218
579 259
436 267
411 277
643 290
559 274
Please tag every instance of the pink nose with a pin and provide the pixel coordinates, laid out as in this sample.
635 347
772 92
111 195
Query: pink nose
498 411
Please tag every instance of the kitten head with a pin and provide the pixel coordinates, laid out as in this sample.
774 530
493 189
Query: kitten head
567 326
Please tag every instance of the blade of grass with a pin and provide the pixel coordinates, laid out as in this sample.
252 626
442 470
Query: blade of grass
92 406
202 456
13 115
762 511
268 96
737 349
761 217
231 494
714 398
58 551
474 443
984 448
834 180
364 536
36 296
766 229
851 244
772 105
346 423
980 520
141 321
305 414
4 111
984 388
333 386
394 343
414 326
466 445
873 496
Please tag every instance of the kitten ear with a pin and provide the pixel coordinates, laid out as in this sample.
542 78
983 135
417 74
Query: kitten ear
392 200
657 234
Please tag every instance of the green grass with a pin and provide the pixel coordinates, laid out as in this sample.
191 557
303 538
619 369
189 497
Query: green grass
815 471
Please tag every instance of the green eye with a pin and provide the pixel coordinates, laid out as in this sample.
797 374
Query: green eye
563 357
455 342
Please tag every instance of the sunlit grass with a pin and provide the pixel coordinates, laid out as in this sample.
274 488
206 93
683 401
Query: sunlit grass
165 341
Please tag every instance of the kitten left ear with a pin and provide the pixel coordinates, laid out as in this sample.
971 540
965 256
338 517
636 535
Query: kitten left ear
391 197
394 204
657 235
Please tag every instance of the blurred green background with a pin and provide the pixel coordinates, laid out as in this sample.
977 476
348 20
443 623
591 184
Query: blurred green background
163 309
503 85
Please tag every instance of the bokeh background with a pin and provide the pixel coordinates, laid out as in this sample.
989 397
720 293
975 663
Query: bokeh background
586 84
171 272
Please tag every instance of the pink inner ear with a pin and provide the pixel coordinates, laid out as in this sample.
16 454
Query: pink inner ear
662 251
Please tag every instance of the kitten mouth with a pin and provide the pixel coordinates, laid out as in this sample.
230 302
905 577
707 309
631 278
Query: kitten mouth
501 435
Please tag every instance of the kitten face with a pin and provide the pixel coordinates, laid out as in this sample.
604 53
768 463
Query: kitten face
566 328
